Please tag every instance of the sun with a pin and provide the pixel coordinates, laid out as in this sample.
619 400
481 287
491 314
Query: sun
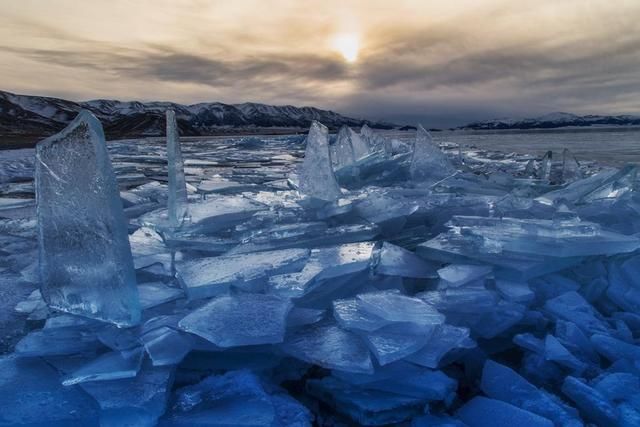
347 45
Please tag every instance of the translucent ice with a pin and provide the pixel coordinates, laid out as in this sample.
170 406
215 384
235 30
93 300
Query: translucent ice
342 153
330 347
570 167
31 395
502 383
392 260
316 177
244 319
593 406
545 168
213 276
109 366
178 201
455 275
394 307
86 265
428 161
483 412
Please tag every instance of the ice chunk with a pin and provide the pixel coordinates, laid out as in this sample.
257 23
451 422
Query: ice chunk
365 407
428 161
138 401
109 366
207 277
614 349
392 260
554 350
342 153
455 275
446 340
545 168
156 293
397 341
349 316
502 383
86 265
166 346
330 347
515 291
593 406
374 141
244 319
623 287
481 411
234 399
572 307
58 342
394 307
177 201
31 395
316 177
570 167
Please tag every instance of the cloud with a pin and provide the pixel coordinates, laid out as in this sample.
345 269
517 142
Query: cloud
440 64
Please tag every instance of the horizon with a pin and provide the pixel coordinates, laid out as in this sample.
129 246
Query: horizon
414 62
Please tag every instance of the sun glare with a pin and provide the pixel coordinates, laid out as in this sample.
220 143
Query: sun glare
348 46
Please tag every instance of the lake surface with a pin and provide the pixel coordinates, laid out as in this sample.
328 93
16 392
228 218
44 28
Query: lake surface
606 146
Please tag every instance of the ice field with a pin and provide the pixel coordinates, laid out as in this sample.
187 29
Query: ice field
331 280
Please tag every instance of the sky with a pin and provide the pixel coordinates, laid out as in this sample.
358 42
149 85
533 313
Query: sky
441 63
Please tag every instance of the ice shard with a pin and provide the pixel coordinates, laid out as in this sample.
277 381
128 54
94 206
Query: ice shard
316 177
178 201
570 167
545 168
342 153
428 161
86 267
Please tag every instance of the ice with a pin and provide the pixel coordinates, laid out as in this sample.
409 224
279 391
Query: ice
502 383
330 347
455 275
316 177
31 395
86 265
392 260
244 319
545 168
427 161
177 197
481 411
593 406
394 307
570 167
458 298
138 401
205 277
109 366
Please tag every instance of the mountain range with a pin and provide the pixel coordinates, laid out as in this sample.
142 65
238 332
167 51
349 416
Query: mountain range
42 116
554 120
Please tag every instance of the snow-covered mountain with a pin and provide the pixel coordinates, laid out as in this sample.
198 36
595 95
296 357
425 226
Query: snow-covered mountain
36 115
555 120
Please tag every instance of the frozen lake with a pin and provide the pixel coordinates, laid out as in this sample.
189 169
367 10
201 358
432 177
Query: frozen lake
608 146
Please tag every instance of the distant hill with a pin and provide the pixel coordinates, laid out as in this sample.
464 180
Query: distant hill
554 120
41 116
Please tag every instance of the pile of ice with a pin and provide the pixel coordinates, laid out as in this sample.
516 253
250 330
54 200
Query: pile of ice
384 282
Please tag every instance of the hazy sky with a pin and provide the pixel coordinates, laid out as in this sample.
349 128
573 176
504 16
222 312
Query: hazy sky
438 62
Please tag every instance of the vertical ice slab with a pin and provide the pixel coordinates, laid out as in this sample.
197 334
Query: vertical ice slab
86 267
342 153
428 161
178 201
316 177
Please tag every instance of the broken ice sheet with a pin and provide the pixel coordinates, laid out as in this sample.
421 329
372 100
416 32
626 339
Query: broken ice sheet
243 319
207 277
86 265
315 176
392 260
31 395
428 161
109 366
330 347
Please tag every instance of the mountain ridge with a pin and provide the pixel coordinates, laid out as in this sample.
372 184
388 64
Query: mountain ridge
41 116
553 121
